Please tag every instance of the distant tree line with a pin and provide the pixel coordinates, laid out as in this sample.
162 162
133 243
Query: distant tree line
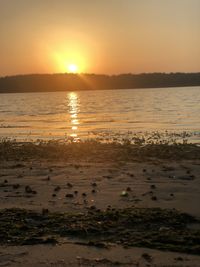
76 82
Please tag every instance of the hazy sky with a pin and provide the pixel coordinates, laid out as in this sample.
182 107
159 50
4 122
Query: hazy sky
99 36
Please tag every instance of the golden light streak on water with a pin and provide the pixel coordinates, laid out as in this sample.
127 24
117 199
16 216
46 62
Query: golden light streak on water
73 103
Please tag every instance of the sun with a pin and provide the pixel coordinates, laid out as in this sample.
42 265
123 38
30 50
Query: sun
69 62
72 68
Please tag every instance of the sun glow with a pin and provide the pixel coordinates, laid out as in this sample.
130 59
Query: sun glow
72 68
71 62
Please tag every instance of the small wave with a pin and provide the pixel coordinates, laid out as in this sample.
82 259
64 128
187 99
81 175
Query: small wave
13 126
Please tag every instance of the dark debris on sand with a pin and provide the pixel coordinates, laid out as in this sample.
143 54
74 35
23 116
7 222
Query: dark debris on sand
10 150
153 228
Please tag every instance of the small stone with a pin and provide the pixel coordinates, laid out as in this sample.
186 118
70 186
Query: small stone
57 188
69 195
53 195
147 257
93 191
45 211
5 181
154 198
77 166
69 185
84 194
16 186
179 259
93 184
128 189
93 207
75 192
124 194
153 186
28 189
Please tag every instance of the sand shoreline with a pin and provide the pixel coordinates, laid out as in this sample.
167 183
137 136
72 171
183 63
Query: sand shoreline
95 177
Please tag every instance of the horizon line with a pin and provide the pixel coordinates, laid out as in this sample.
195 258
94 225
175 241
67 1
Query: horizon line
97 74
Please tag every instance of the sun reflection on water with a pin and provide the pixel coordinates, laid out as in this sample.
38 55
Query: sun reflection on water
73 104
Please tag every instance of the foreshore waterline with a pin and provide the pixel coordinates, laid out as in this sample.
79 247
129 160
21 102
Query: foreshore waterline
102 115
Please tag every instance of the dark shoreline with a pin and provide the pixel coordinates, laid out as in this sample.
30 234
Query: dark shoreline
90 149
84 82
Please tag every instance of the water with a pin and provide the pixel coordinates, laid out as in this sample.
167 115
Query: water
110 113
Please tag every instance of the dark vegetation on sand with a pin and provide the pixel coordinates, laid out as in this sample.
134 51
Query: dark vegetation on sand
167 229
87 150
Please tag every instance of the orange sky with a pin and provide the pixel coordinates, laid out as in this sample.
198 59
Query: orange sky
99 36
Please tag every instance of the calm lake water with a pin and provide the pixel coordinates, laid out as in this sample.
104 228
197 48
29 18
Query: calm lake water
110 113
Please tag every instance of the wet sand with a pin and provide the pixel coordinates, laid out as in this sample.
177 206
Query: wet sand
76 185
162 184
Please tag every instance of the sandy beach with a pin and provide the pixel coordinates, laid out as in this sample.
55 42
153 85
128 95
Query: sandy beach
98 180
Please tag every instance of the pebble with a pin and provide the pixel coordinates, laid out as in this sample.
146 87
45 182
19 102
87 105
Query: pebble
147 257
69 185
28 189
57 188
45 211
69 195
15 186
124 194
179 259
93 207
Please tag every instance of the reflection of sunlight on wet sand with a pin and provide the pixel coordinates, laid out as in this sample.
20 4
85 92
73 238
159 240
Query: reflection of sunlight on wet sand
74 110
